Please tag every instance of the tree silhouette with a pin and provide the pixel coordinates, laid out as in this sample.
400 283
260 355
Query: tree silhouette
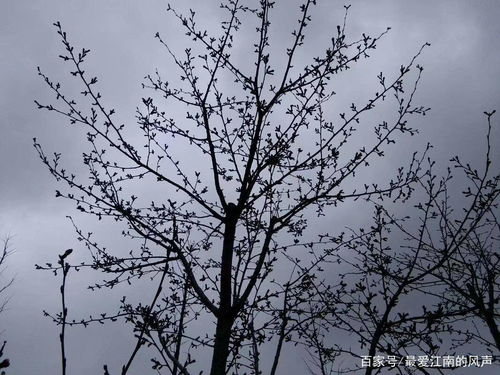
225 240
443 254
4 362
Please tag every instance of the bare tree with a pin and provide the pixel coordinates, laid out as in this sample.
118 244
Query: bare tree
424 283
470 273
269 160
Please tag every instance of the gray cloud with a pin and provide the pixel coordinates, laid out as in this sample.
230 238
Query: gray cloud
461 81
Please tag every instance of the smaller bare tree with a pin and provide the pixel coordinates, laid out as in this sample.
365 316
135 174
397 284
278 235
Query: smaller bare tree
4 253
470 274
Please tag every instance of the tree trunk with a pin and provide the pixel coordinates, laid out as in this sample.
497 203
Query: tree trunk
221 346
225 318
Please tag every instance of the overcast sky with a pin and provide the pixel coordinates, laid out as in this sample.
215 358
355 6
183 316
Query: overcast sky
461 80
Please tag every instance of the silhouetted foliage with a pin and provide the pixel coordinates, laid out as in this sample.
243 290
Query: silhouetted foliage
230 237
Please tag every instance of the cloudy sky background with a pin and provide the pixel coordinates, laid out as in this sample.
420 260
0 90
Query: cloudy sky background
461 80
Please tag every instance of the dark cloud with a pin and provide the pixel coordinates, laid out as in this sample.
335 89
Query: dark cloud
461 81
